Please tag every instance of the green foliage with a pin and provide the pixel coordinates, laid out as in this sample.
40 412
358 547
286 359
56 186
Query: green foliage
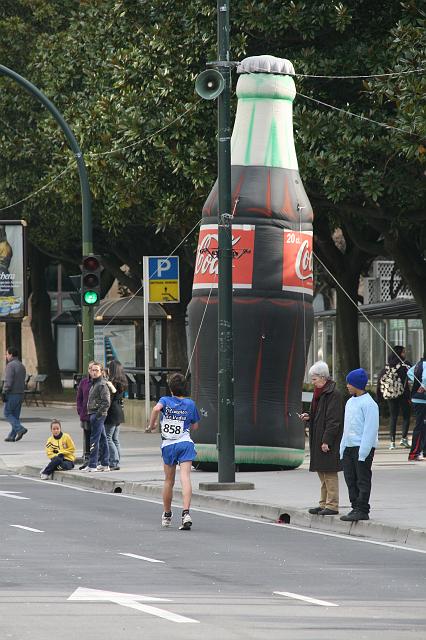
122 70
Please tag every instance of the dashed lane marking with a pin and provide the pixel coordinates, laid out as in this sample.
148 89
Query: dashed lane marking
133 555
20 526
297 596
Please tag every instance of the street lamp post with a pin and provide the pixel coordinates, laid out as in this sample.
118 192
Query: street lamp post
86 213
226 433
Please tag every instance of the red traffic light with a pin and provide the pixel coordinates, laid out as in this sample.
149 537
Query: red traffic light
91 263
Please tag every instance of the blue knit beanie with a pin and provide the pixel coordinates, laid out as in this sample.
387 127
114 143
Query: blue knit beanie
358 378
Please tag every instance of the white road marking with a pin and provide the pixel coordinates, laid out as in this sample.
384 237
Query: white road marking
20 526
9 494
296 596
292 527
133 555
130 600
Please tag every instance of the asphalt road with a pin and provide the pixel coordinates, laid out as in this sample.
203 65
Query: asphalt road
64 573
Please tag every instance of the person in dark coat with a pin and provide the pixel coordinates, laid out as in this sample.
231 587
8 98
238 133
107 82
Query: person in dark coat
325 421
397 399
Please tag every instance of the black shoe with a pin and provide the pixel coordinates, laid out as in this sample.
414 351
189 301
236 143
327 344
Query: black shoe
354 516
315 510
20 434
328 512
83 466
114 468
9 439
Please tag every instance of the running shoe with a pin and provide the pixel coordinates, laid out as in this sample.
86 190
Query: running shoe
166 519
186 522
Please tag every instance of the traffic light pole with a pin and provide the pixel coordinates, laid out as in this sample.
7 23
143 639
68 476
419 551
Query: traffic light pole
86 213
226 434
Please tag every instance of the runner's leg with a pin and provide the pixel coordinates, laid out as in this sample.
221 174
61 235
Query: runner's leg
169 481
185 481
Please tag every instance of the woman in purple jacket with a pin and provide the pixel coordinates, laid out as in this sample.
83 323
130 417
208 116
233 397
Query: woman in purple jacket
82 397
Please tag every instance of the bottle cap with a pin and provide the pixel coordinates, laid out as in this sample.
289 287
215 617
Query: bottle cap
266 64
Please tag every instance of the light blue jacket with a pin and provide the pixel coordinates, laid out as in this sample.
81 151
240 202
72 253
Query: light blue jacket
361 425
418 398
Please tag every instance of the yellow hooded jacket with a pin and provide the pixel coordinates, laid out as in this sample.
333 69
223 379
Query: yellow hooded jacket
64 445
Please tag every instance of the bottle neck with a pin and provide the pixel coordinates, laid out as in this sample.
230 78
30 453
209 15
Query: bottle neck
263 129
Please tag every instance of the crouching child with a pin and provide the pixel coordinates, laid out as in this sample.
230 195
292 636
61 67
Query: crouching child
60 448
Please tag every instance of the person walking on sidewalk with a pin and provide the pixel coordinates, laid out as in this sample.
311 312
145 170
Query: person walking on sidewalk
392 386
178 415
60 448
81 400
115 414
13 394
325 421
97 407
418 397
359 441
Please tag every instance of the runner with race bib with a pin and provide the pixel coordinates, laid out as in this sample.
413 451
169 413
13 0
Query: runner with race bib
178 414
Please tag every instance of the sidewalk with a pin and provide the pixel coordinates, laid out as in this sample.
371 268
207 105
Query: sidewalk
397 513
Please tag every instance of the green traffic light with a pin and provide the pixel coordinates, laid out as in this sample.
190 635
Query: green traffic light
90 297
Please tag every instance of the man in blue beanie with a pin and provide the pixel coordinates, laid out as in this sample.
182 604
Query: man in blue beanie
360 431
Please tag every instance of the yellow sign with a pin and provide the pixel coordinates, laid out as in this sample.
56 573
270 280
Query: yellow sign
164 290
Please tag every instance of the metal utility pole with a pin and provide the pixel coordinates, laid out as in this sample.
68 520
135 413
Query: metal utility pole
86 213
226 433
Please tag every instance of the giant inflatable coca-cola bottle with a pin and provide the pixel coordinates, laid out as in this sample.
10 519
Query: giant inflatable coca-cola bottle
272 279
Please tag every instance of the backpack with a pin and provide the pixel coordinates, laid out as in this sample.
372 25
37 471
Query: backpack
391 385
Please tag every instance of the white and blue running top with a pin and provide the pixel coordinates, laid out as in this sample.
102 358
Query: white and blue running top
178 414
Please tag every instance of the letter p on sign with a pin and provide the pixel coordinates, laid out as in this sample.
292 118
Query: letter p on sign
163 267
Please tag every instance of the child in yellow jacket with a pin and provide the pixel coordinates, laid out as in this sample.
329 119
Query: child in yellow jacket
60 448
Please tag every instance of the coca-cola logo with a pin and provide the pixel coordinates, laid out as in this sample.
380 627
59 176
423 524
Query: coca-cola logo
304 262
207 259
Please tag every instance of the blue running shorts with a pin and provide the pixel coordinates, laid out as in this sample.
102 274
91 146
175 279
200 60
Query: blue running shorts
174 454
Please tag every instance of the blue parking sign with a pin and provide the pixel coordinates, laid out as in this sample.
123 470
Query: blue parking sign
163 268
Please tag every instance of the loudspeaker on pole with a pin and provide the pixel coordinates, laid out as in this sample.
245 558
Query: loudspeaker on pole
209 84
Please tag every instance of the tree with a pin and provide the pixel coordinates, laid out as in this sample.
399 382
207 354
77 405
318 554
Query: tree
136 67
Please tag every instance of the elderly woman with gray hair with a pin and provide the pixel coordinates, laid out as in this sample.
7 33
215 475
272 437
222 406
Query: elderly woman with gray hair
325 420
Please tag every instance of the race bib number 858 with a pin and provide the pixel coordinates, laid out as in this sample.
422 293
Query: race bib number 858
171 429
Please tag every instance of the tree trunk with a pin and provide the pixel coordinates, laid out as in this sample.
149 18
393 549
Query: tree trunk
177 353
347 339
47 361
14 336
345 262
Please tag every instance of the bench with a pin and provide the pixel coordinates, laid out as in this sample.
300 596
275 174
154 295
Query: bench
34 390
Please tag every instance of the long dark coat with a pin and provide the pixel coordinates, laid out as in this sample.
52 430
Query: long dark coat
326 427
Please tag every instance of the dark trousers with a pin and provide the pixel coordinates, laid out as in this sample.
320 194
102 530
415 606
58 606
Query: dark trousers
12 413
58 462
358 478
395 405
98 435
85 425
418 440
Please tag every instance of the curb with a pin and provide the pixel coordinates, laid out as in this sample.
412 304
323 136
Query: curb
225 504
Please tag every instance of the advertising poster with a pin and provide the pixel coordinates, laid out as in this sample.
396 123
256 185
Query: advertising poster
13 289
116 341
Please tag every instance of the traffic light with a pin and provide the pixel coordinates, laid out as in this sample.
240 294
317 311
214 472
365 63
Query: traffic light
90 281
